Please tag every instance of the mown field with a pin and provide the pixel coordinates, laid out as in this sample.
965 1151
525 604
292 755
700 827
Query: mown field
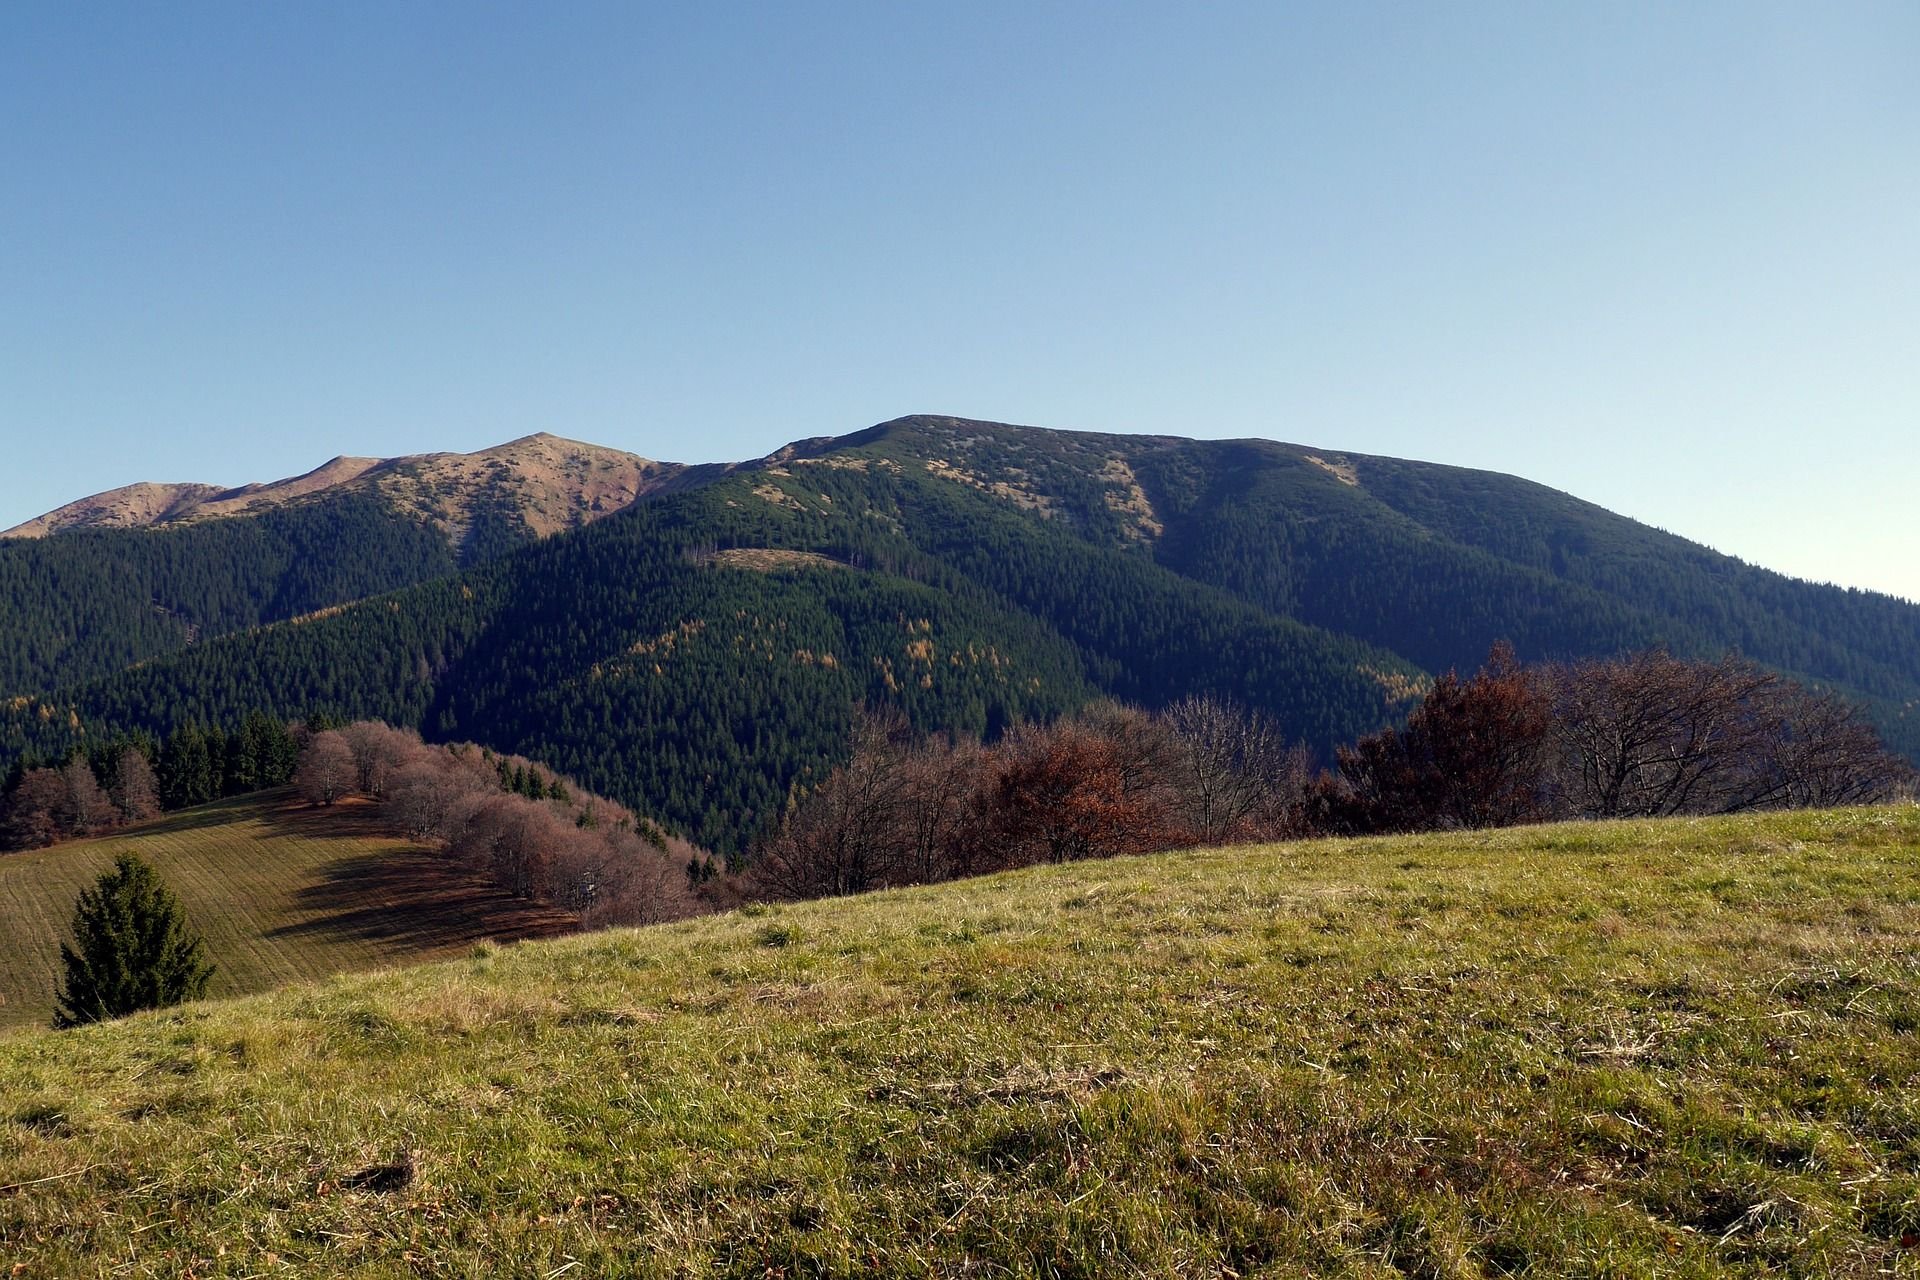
1659 1049
280 892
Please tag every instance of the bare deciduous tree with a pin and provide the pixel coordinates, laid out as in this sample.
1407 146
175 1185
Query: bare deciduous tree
1651 734
1825 753
1238 777
379 752
422 797
843 835
941 779
86 810
133 789
326 771
31 817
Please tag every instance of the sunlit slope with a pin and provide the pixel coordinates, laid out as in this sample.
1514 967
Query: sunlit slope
1678 1049
279 891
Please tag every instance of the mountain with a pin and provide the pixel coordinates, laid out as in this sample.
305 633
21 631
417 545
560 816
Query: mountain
131 575
700 652
543 482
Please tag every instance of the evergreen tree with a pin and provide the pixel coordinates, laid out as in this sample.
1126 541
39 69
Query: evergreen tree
132 949
188 773
275 754
240 765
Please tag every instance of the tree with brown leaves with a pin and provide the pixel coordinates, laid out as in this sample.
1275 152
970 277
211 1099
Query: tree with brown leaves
1472 755
86 810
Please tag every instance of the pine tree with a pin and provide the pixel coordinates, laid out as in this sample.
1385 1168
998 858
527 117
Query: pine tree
132 949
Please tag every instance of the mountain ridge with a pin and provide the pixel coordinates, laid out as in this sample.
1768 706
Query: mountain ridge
687 653
150 504
551 482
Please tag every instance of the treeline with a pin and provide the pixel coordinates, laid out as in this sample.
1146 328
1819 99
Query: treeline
1108 780
132 778
1640 736
503 817
510 820
1645 735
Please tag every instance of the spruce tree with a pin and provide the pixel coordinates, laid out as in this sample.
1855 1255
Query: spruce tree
188 773
132 949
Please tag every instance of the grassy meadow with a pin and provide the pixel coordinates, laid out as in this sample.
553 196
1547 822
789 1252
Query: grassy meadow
1679 1049
281 893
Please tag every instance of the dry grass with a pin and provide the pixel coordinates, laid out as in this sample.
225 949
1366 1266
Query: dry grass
771 559
1677 1049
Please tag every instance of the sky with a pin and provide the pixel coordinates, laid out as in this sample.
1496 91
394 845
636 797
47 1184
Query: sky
1664 257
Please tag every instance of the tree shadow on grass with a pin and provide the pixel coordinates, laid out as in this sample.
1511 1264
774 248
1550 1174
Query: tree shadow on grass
280 808
353 819
218 813
411 899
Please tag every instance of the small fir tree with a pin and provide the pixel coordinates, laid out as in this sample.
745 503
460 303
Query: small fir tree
132 949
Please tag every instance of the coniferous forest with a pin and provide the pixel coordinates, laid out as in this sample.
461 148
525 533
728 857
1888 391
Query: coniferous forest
701 655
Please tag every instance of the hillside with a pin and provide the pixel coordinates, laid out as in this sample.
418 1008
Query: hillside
282 893
632 657
700 652
139 573
546 482
1683 1048
1432 562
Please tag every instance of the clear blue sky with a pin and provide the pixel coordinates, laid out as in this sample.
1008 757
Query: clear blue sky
1666 257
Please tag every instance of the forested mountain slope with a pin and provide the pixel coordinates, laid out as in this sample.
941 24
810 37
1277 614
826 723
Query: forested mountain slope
699 653
1432 562
93 602
137 573
704 651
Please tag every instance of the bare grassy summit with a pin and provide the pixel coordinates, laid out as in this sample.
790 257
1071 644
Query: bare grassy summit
1679 1048
551 484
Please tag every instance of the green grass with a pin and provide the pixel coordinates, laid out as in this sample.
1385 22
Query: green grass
280 892
1660 1049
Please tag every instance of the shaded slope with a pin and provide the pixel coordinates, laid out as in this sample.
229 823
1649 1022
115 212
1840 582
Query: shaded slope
1674 1048
89 603
1434 563
1865 641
